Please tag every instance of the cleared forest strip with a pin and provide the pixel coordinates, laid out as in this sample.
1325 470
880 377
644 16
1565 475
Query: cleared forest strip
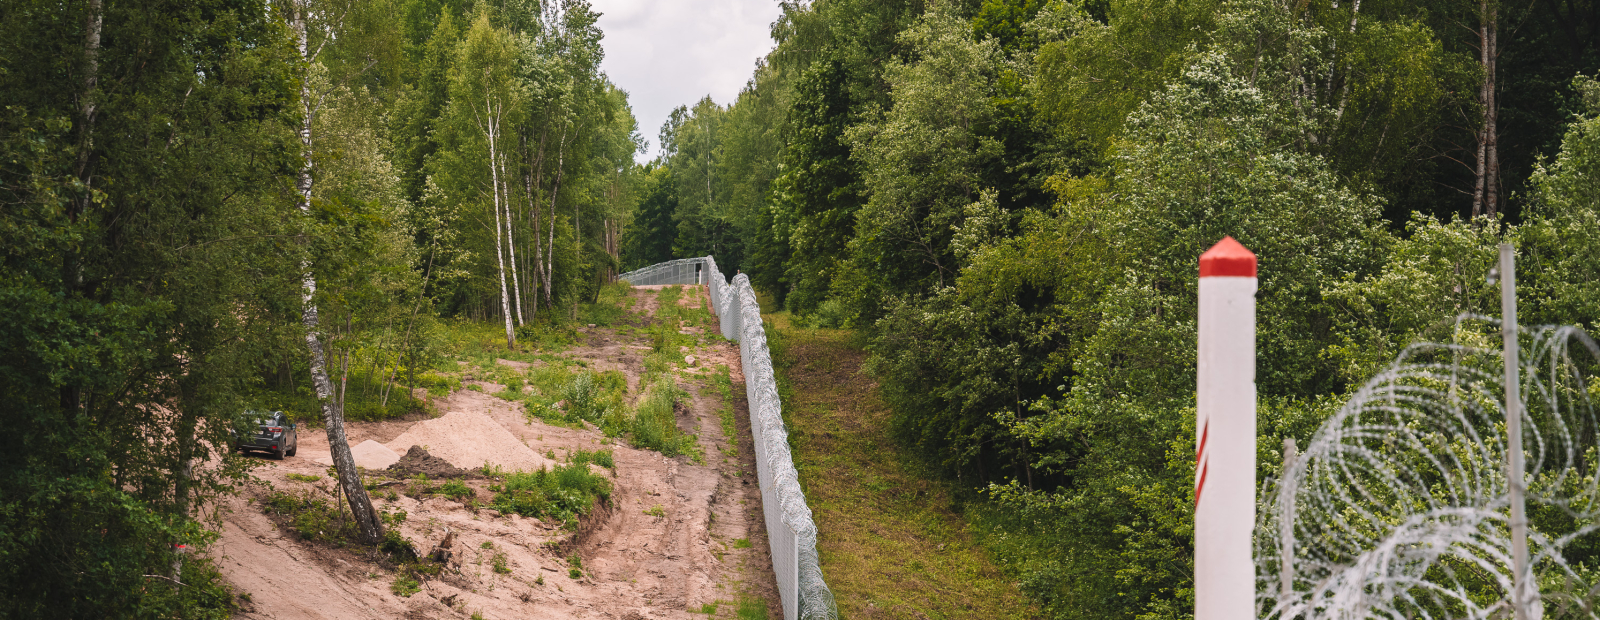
676 535
892 543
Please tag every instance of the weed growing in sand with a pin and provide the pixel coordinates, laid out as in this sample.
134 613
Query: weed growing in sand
312 518
709 609
656 511
498 562
565 493
539 581
653 424
741 543
574 573
456 490
602 458
404 585
303 477
575 560
420 487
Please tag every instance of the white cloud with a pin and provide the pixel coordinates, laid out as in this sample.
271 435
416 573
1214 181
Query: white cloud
668 53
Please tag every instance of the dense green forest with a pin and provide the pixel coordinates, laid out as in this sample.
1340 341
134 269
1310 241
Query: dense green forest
1007 199
207 205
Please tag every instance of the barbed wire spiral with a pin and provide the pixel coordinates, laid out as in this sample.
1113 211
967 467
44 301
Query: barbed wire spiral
1399 506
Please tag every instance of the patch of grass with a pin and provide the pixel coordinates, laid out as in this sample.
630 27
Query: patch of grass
752 608
420 487
303 477
455 489
611 307
574 573
565 493
653 424
709 609
603 458
871 511
575 561
487 544
498 562
741 543
404 585
656 511
311 518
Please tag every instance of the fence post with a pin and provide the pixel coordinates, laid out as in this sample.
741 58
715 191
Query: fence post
1225 435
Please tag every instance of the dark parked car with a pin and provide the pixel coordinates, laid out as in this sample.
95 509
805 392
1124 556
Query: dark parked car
274 434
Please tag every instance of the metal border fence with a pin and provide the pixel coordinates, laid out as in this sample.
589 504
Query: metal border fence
791 531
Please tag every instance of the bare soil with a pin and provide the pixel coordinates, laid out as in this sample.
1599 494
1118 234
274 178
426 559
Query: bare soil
638 561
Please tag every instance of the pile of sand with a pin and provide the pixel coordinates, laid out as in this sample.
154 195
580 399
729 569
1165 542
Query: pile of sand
369 454
469 440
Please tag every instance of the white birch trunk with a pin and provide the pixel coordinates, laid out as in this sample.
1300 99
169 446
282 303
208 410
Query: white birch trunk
490 128
369 528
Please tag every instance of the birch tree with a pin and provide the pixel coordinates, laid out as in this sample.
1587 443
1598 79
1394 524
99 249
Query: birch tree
305 20
485 88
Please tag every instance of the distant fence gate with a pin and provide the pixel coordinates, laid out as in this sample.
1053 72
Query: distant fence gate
790 529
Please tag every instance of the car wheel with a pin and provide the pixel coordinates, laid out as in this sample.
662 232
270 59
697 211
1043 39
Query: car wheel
277 455
291 451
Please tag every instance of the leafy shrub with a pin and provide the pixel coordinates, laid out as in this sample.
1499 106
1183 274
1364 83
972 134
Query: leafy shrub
404 585
564 493
654 423
602 458
437 384
420 487
455 489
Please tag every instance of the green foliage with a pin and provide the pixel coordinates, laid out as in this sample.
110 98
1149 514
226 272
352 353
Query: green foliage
751 608
653 424
565 493
404 585
601 457
455 489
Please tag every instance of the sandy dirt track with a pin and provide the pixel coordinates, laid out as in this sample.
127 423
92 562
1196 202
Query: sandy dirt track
635 565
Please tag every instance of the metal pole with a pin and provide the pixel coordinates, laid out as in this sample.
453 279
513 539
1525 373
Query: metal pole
1286 523
1520 597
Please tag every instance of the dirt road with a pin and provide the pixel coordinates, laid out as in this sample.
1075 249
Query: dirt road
671 543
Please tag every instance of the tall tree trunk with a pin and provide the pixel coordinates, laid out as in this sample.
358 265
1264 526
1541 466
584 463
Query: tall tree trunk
533 182
490 127
344 366
71 396
405 343
369 528
511 239
1486 189
550 247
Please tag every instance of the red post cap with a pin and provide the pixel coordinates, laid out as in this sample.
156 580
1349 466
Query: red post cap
1228 258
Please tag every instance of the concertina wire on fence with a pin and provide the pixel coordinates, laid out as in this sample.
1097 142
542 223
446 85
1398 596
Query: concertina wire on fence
790 529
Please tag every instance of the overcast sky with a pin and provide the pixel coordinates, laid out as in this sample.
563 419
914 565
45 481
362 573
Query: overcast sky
668 53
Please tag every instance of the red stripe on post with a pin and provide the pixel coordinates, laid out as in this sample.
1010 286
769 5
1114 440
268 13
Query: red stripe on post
1228 258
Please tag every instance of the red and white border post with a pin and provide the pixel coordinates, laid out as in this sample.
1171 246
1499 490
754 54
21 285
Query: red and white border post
1225 435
